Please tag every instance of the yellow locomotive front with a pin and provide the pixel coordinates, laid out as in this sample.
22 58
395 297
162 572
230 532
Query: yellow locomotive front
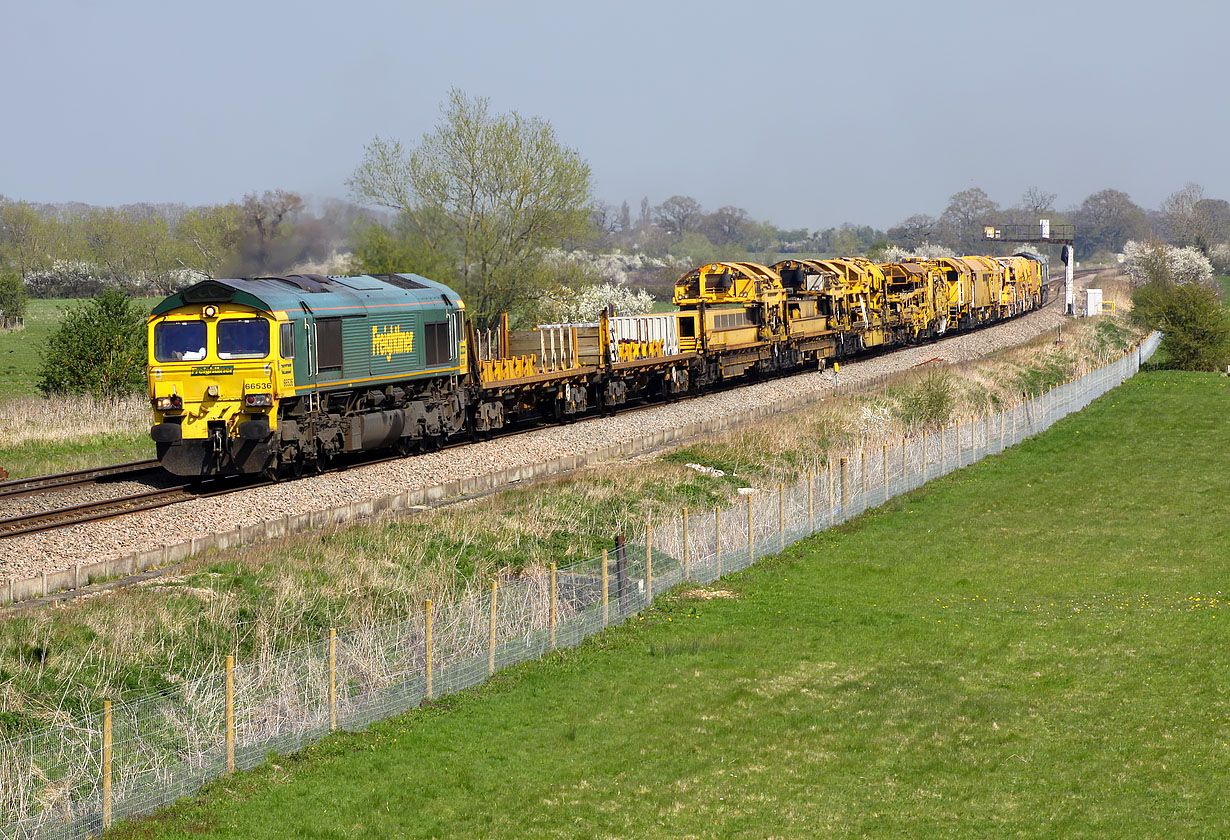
213 378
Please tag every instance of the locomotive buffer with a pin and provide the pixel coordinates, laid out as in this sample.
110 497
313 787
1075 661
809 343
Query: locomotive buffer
1043 233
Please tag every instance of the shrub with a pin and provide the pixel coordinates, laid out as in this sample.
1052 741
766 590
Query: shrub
1195 327
929 403
13 297
98 348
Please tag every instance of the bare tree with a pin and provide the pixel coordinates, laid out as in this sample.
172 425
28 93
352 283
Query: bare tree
679 214
1037 201
264 216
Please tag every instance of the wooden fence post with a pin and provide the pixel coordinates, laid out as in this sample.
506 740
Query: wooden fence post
606 610
687 548
495 595
862 475
903 464
427 644
845 487
943 456
106 765
717 529
924 455
332 679
230 713
551 609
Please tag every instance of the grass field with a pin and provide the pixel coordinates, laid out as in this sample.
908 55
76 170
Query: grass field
1030 647
39 435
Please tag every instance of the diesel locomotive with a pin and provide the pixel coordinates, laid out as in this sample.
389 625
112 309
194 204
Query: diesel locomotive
278 375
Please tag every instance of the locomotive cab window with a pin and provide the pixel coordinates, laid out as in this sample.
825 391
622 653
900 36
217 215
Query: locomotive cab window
243 338
179 341
286 340
328 343
436 344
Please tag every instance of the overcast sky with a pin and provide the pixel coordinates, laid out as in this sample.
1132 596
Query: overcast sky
807 114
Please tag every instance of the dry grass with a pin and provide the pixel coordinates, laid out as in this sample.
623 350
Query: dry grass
267 598
30 419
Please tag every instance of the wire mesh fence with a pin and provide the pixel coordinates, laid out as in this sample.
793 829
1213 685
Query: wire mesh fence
74 779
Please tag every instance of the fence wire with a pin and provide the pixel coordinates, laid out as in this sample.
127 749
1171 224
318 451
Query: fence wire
53 783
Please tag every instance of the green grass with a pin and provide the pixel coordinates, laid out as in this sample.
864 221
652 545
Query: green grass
44 457
1031 647
19 349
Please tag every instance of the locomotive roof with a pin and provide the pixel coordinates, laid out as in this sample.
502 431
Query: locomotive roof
314 292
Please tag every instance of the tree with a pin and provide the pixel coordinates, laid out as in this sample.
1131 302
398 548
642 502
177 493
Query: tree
212 235
728 225
1036 201
678 215
1174 293
263 217
98 348
1106 220
484 193
962 220
915 231
1192 219
13 298
1144 264
625 218
27 239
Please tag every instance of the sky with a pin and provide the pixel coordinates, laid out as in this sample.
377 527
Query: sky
807 114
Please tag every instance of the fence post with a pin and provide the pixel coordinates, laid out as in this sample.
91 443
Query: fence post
551 610
750 537
958 464
943 455
811 502
781 516
924 455
427 645
230 713
606 610
687 548
332 679
106 765
904 463
986 430
648 559
495 585
845 487
717 528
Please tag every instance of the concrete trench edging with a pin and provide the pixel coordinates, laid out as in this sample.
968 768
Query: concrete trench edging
112 573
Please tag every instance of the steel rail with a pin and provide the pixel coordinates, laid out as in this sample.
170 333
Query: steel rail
76 478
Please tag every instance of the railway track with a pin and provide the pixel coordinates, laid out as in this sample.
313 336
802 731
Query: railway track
78 478
31 523
149 500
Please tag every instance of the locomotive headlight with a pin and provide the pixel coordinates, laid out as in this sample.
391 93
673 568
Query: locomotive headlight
211 311
258 400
